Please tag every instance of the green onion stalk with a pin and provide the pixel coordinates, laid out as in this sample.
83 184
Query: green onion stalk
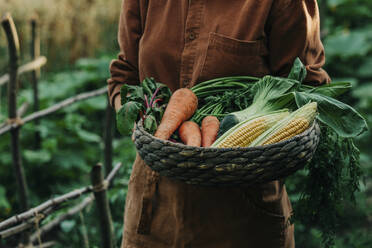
214 95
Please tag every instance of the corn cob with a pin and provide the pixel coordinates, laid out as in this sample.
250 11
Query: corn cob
242 134
296 126
296 123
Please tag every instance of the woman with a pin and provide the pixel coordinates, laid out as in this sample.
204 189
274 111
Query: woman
181 43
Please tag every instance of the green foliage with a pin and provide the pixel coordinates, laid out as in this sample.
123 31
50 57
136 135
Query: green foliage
71 143
348 46
147 100
334 172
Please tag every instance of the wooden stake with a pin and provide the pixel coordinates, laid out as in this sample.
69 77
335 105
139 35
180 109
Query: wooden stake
35 74
13 46
104 214
107 135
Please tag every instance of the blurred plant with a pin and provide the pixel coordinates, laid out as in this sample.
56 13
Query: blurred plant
71 144
69 29
348 45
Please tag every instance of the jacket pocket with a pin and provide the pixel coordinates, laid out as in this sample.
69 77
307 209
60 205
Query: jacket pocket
226 56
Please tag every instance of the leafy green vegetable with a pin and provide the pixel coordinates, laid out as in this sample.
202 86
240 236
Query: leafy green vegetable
148 100
332 90
334 174
342 118
223 95
298 71
265 91
127 116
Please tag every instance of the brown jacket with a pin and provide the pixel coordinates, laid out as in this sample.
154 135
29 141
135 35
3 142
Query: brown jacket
181 43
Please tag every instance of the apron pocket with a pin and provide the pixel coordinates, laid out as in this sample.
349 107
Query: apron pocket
226 56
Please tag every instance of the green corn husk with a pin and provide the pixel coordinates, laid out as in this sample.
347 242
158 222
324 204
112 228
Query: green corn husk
308 112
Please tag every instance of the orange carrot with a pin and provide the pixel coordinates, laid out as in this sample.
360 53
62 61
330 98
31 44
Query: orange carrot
209 129
181 106
190 134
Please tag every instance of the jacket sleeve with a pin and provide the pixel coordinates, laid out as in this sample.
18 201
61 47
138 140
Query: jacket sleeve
124 69
293 30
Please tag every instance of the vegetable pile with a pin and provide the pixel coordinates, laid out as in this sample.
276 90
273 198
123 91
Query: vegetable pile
243 111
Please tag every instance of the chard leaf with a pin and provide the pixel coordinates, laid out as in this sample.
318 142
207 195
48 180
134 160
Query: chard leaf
342 118
298 71
150 124
124 89
149 86
127 116
131 93
136 94
164 93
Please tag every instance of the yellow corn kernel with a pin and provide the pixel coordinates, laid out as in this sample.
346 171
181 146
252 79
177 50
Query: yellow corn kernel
295 127
245 134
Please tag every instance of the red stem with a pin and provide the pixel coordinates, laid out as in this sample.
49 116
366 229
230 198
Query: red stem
147 103
153 96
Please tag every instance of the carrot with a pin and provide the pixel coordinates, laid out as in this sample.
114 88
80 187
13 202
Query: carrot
181 106
190 134
209 129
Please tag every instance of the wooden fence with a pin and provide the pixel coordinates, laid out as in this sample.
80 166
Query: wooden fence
31 218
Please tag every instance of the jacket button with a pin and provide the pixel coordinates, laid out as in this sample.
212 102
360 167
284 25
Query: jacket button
192 36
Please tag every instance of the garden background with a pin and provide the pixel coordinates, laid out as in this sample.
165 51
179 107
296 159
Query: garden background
79 40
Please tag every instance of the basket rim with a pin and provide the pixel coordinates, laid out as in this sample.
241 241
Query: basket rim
225 149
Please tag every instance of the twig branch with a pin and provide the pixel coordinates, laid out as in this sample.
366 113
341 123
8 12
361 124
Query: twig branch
55 222
30 66
51 203
21 227
44 245
54 108
16 229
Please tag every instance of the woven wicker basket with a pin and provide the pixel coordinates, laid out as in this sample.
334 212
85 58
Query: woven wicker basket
227 166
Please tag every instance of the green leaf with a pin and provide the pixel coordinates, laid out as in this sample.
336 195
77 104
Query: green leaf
88 136
68 225
127 116
3 200
149 86
164 93
270 87
41 156
298 71
131 93
333 89
347 44
365 69
342 118
150 124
